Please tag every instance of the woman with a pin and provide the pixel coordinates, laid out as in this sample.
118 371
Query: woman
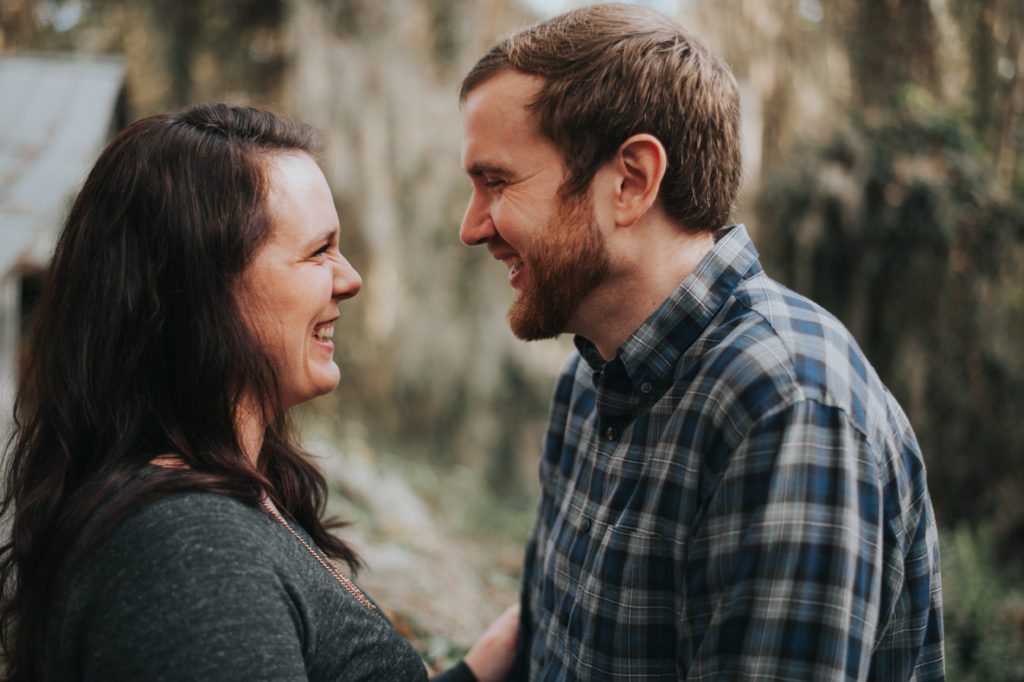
165 524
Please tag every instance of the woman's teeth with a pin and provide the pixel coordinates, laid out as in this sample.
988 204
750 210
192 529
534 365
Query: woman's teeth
324 333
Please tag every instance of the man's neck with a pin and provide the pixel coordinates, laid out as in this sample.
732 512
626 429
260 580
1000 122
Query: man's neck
644 279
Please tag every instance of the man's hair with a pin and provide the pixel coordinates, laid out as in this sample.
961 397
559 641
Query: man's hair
616 70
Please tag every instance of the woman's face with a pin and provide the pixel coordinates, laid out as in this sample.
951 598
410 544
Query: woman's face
290 291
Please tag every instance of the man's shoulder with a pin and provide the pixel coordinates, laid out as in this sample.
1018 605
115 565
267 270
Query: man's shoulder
770 346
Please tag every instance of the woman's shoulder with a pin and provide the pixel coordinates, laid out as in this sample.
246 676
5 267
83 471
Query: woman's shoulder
193 538
188 580
191 514
140 533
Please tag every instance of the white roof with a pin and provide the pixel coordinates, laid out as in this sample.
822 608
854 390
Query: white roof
56 113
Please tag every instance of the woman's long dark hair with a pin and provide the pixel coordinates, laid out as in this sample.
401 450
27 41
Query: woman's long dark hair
138 349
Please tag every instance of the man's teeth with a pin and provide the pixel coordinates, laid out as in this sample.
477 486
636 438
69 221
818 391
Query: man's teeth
515 268
325 332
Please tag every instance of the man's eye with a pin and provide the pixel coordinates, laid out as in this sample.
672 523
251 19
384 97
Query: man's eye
322 250
494 183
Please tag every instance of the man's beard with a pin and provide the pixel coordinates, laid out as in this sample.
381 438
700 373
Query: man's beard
564 264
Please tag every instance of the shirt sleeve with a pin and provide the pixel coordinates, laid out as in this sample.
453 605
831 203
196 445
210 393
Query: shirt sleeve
787 560
185 598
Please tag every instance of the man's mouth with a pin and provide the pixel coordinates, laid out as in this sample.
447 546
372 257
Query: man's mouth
503 252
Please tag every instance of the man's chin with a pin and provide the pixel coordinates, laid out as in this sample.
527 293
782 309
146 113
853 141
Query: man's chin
529 324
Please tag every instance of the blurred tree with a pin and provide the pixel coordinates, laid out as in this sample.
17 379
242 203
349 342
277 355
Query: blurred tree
427 355
890 43
17 24
182 52
35 25
899 227
994 30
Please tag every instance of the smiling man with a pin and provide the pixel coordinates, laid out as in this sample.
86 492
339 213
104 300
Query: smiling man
728 490
553 249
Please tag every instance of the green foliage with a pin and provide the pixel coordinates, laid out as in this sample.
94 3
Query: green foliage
984 616
899 227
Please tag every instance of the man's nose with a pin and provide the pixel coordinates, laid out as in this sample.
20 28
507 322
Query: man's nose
477 225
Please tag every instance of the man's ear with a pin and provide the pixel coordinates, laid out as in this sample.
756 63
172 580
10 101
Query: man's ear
639 167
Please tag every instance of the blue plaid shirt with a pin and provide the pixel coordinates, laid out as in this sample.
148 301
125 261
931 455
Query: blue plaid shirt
735 496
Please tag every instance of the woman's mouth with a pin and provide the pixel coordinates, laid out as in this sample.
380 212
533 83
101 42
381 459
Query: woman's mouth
324 332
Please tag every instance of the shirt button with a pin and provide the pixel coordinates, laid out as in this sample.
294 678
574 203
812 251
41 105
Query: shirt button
611 433
585 525
646 387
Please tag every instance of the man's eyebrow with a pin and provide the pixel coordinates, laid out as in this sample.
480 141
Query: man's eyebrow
478 169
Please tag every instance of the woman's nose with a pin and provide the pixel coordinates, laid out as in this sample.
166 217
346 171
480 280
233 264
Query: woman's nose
347 281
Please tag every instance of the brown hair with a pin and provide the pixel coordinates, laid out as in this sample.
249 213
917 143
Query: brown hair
139 349
617 70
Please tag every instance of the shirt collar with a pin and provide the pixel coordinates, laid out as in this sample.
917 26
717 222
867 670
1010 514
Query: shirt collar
650 354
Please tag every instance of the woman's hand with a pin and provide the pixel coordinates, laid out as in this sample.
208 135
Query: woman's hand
491 657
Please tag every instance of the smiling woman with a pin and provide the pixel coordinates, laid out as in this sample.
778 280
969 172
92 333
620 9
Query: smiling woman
165 524
291 290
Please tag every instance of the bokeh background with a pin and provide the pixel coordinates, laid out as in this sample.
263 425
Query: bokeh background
884 177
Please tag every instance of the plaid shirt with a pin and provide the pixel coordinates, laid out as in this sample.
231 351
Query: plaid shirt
734 496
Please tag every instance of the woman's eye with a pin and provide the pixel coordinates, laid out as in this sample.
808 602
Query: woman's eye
322 250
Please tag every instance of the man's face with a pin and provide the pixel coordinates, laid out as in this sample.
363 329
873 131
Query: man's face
553 249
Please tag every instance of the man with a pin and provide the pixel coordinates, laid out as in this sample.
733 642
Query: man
728 490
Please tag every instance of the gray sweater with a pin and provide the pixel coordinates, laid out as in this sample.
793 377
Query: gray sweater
201 587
